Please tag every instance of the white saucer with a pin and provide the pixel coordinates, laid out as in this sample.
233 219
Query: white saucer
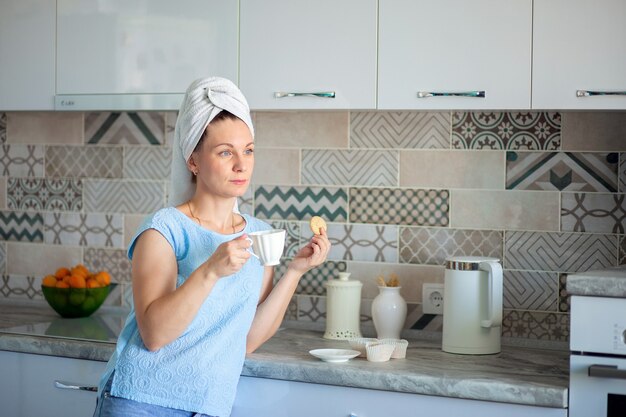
335 355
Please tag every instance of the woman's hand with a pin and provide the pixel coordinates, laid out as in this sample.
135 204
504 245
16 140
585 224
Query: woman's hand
311 255
229 257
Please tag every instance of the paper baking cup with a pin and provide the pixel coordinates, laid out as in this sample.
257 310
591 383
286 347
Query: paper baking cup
399 347
379 352
359 343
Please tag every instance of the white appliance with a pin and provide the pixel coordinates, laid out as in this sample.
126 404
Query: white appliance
598 352
472 308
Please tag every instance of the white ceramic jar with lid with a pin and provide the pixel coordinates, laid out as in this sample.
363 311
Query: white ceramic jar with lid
343 306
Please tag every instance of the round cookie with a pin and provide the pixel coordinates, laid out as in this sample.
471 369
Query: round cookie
316 223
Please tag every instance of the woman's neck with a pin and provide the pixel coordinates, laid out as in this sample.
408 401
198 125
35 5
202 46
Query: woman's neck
216 216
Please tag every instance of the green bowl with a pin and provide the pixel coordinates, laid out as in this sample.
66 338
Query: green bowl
76 302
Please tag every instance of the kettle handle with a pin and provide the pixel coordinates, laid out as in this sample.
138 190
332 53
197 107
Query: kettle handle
494 311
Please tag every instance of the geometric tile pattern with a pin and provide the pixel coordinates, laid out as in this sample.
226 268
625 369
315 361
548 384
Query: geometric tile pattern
561 171
535 325
350 167
506 130
564 298
360 242
300 203
312 282
21 160
590 212
622 172
141 128
20 287
111 196
292 238
84 161
52 194
559 252
21 226
3 258
622 250
406 129
3 128
526 290
102 230
147 162
311 309
399 206
114 261
434 246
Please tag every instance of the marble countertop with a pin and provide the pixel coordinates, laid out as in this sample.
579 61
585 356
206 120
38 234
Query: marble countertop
516 375
609 282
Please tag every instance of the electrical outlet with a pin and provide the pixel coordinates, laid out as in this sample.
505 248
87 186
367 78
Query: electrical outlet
432 298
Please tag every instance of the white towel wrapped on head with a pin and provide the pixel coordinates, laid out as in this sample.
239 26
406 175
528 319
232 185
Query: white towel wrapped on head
204 99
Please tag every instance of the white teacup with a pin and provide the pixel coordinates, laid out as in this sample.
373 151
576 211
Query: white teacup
268 245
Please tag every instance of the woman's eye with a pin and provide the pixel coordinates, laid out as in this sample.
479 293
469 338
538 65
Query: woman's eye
225 153
249 151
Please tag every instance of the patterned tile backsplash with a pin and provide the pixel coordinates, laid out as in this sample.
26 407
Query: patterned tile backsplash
401 191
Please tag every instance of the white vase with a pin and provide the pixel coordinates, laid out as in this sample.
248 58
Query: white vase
388 312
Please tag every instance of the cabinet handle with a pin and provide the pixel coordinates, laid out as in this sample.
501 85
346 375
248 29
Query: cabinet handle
588 93
425 94
323 94
69 385
606 371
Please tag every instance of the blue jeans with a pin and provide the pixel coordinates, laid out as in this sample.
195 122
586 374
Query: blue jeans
110 406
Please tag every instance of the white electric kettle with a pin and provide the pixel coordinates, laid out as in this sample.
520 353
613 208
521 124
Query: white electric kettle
472 305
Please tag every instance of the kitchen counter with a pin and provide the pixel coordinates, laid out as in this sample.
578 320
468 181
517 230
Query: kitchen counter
516 375
609 282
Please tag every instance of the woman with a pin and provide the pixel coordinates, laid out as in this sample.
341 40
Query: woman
201 302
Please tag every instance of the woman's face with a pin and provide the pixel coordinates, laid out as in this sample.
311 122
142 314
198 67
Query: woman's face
225 159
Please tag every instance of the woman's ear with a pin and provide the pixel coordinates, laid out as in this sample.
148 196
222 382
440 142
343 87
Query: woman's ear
193 167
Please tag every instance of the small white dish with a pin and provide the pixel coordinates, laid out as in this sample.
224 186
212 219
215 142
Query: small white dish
335 355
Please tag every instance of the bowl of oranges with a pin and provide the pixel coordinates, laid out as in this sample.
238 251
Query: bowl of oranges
76 292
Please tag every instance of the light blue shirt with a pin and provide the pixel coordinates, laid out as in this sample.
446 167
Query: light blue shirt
199 371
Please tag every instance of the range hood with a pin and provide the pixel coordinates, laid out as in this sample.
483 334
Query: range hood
118 102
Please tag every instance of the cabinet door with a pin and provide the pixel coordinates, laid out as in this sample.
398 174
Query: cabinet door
454 46
579 45
27 385
303 46
27 30
148 47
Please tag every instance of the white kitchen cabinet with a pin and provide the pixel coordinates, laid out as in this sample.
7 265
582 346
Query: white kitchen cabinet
27 30
302 46
454 46
261 397
579 45
27 385
141 55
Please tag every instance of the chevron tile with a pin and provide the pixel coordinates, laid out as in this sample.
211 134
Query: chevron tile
559 252
526 290
21 160
622 172
3 257
21 226
114 261
109 196
561 171
147 162
299 203
535 325
399 206
433 246
20 287
622 250
350 167
52 194
506 130
406 129
84 161
3 128
141 128
593 212
100 230
359 242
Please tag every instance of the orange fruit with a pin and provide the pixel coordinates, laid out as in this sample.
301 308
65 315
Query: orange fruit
66 279
61 272
80 269
78 281
103 278
62 284
92 283
49 281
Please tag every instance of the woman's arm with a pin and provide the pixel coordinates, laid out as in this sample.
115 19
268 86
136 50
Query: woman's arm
274 301
163 311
